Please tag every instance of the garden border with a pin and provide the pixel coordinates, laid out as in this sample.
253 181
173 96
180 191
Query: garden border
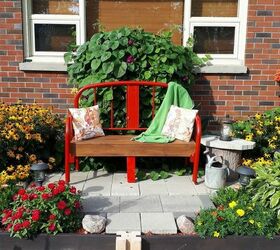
153 242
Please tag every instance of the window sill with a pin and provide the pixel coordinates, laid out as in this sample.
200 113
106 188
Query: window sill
222 69
43 66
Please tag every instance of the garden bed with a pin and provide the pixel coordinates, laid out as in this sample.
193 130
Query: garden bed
155 242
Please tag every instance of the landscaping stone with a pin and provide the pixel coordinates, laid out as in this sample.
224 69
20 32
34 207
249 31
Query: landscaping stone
158 223
185 224
127 222
94 223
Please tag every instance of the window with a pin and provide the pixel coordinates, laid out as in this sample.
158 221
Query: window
218 27
50 26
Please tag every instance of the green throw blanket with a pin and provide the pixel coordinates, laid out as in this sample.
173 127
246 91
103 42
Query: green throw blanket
176 95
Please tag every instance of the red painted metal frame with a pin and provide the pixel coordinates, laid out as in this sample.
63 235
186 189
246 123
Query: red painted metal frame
132 118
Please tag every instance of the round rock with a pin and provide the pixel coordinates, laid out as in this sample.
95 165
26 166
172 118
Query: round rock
185 224
94 223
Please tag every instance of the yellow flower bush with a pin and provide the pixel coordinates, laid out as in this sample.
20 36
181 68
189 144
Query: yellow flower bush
28 133
264 129
240 212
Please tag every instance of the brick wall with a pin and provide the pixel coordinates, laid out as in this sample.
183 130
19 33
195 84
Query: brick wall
216 95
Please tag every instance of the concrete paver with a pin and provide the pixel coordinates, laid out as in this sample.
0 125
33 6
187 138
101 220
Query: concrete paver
158 223
177 185
101 204
140 204
123 222
120 186
150 187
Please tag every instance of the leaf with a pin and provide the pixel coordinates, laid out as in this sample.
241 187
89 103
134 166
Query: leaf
154 175
108 95
274 200
68 57
164 174
120 70
114 45
95 64
106 56
108 67
180 172
163 59
141 175
147 75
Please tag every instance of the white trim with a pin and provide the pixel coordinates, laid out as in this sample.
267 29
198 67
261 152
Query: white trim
239 22
29 20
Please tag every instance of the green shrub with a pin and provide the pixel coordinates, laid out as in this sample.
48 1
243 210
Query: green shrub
28 133
129 54
239 216
264 129
265 188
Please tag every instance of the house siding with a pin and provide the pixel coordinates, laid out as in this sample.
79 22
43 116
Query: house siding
216 95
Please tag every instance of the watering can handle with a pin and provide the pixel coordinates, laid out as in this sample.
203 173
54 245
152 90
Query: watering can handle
228 171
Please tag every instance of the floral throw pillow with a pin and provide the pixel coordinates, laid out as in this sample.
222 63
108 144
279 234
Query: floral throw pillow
86 123
179 123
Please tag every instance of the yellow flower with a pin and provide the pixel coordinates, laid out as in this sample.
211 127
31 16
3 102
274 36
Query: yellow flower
258 116
240 212
216 234
199 223
10 168
249 137
251 221
74 91
259 224
28 136
232 204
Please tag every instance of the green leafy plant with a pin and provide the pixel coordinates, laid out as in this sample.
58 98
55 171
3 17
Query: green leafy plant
265 188
264 129
51 209
239 216
28 133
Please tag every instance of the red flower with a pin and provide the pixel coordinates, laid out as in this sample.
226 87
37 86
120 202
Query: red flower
40 188
7 212
52 217
55 191
61 205
52 227
61 182
18 214
77 204
61 188
21 191
45 196
51 186
15 197
130 42
33 196
24 197
32 185
36 215
67 211
4 219
17 227
26 224
73 190
9 227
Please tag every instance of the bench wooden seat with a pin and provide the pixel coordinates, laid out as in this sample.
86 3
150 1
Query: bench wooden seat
121 145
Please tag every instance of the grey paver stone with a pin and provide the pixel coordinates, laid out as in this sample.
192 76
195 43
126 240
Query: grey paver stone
150 187
52 178
120 186
206 201
181 203
140 204
101 204
123 222
158 223
178 185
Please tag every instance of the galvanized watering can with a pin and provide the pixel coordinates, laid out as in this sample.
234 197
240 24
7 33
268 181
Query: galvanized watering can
215 172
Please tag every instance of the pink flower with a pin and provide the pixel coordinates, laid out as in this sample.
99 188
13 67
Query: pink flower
61 205
130 42
67 211
130 59
52 227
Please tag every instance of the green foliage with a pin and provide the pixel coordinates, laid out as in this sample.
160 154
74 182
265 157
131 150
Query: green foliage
53 209
6 196
264 129
238 216
265 188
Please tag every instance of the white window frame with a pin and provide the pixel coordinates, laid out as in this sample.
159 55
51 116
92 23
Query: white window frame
29 21
239 22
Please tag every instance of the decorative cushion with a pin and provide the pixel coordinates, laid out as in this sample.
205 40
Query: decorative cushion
179 123
86 123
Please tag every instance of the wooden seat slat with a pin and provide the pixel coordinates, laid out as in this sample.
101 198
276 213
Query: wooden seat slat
121 145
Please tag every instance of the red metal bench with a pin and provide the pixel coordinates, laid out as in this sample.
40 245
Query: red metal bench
121 145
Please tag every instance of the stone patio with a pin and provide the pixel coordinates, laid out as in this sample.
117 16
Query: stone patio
146 206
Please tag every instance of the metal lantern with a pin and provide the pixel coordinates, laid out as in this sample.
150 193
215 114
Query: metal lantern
245 174
226 130
39 172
